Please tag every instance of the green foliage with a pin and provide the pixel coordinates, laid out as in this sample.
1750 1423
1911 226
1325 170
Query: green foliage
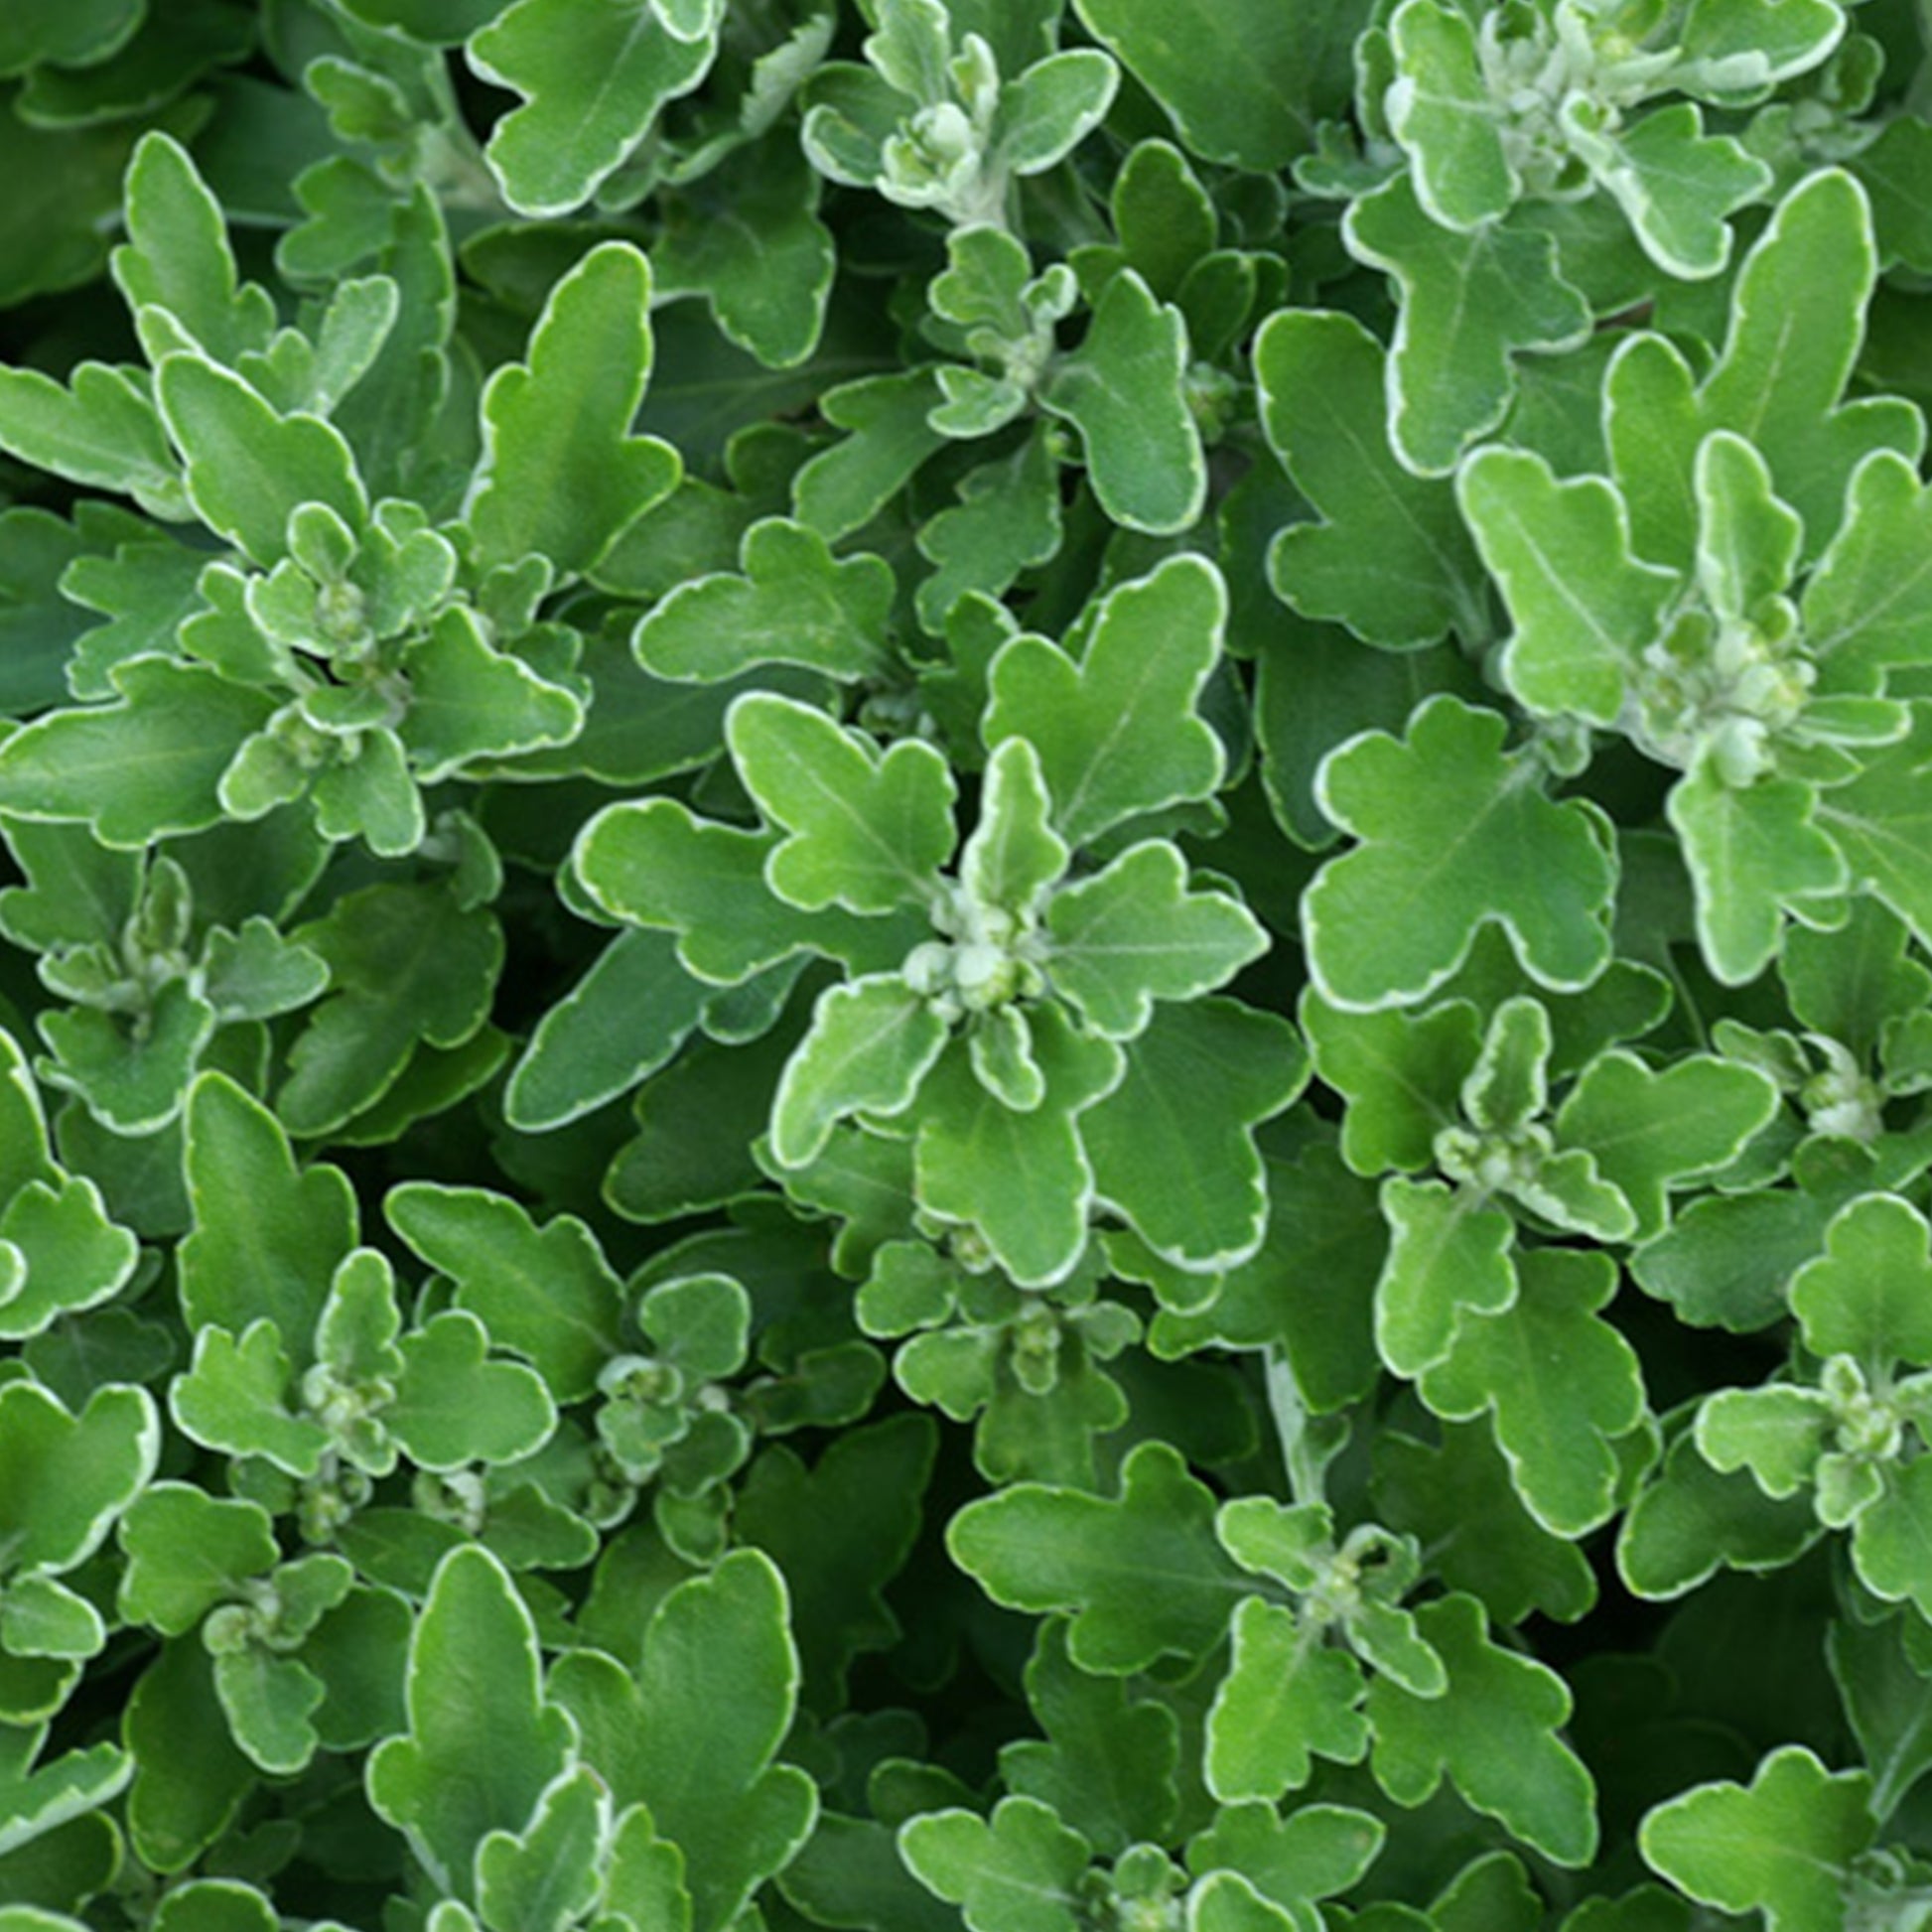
965 964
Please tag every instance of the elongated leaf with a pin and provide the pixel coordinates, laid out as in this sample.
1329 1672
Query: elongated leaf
138 770
483 1743
247 467
872 1042
1391 558
561 473
1124 389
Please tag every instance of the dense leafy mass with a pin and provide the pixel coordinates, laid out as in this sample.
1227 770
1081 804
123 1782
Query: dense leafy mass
965 963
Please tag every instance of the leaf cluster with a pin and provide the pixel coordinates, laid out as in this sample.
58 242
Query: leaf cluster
965 964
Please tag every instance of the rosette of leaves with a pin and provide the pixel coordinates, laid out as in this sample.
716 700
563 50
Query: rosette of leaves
1851 1423
305 1372
1457 1113
368 626
1025 1366
1750 638
150 977
1325 1661
1523 151
1000 1017
930 121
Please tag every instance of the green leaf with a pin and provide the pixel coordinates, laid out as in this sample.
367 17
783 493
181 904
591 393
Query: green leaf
267 1239
1400 1073
1867 605
1108 1760
177 256
548 1879
1015 1872
190 1778
1243 84
187 1551
1777 1431
747 237
1116 732
1797 319
1390 557
68 35
1675 183
864 830
248 467
1007 520
561 473
1441 112
43 1618
1125 390
870 1044
1878 822
889 437
469 700
74 1257
1309 1291
1508 1086
1469 303
790 602
1496 1550
1585 607
1891 1541
1449 1253
483 1742
408 966
590 87
1492 1734
138 770
453 1407
64 1478
548 1293
1172 1148
1690 1518
1315 1852
1288 1698
37 1802
654 862
1887 1699
1647 1131
1560 1382
621 1020
1455 835
1049 109
101 430
1020 1181
692 1734
1013 855
1751 852
840 1531
1783 1845
235 1397
1134 933
1867 1295
1041 1549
